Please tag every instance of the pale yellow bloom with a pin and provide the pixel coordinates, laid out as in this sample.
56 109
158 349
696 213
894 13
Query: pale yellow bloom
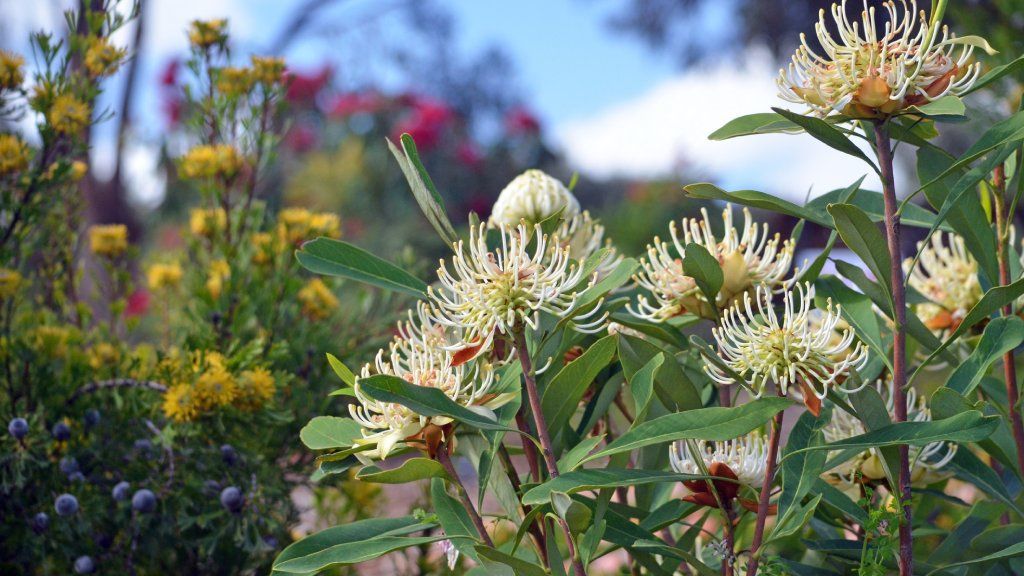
14 154
103 58
67 115
12 74
110 240
211 161
207 222
208 33
162 276
317 300
267 69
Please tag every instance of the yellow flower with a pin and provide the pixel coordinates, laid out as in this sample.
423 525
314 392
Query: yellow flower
267 69
215 387
162 276
207 222
211 161
293 224
256 387
207 33
179 403
102 355
219 271
11 74
14 154
102 58
317 300
51 341
234 82
78 170
10 281
325 224
263 242
109 240
67 115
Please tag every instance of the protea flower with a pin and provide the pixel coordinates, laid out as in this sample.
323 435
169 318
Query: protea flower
533 196
489 292
926 461
742 460
947 275
799 349
387 424
748 258
866 72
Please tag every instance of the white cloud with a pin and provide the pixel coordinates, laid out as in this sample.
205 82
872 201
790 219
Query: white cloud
663 133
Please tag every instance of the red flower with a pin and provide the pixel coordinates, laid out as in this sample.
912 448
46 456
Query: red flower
426 122
301 138
303 88
520 121
169 77
138 303
345 105
469 154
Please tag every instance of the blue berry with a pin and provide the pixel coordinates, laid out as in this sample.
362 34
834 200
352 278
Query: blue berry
92 418
231 499
270 541
228 454
143 447
66 505
211 488
84 565
144 501
18 428
40 522
76 477
61 432
120 491
68 465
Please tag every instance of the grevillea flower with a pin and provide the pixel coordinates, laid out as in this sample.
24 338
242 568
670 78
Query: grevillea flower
866 72
741 460
925 461
799 349
947 275
584 236
386 424
748 258
533 196
493 291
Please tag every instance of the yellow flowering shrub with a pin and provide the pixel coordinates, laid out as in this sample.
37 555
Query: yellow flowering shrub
102 58
211 161
206 222
14 154
163 276
68 115
110 240
206 34
317 300
10 281
11 70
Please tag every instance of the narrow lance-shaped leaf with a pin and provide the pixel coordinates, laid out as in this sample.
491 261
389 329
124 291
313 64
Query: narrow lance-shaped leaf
425 401
411 470
863 237
826 133
1000 336
760 123
326 432
423 190
336 258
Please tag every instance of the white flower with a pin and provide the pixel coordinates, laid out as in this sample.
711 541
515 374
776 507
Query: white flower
799 349
748 258
925 461
386 424
451 553
494 291
866 72
746 456
533 196
585 236
947 275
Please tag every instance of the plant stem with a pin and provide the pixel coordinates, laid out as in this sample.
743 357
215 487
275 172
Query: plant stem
883 148
766 493
446 461
519 341
1003 220
536 531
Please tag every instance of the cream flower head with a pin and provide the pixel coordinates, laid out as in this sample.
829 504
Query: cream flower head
947 275
584 236
746 456
386 424
866 72
925 461
492 291
748 257
799 349
533 196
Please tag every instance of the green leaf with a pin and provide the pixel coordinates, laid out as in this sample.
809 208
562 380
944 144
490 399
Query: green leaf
948 107
760 123
1008 552
970 468
596 479
337 258
826 133
704 269
424 401
341 370
992 301
1000 336
672 384
576 515
519 566
970 426
800 473
862 236
621 274
423 190
756 199
326 432
411 470
350 543
641 385
454 519
714 423
571 459
562 395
